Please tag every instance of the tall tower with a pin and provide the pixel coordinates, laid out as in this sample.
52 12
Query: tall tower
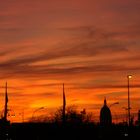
6 103
64 105
105 115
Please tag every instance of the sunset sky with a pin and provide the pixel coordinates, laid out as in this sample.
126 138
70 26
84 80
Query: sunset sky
90 45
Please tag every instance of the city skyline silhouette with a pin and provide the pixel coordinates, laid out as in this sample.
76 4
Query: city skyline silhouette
10 113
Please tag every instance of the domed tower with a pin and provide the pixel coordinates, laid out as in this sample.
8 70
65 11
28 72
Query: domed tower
105 115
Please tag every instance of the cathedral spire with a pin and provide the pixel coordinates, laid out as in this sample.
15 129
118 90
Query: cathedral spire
6 103
105 115
105 102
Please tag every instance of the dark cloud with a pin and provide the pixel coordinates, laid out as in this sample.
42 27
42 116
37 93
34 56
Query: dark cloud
73 47
44 71
48 94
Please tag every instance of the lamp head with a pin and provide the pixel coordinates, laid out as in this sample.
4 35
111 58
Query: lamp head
129 76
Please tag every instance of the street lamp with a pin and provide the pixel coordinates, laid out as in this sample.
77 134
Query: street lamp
36 111
129 115
114 104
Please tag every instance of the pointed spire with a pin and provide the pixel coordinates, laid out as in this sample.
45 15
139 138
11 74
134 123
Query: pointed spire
64 97
105 102
64 104
6 96
6 102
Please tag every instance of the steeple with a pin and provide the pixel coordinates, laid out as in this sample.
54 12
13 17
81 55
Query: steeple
105 102
64 104
6 103
105 115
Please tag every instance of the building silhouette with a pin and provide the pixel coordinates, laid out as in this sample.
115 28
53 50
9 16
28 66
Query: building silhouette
138 121
105 115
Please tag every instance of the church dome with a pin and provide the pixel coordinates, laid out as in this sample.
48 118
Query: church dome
105 115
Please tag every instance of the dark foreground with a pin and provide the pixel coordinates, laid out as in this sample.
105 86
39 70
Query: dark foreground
45 131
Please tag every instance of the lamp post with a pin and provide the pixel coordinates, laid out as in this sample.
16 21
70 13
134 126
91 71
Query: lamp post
129 114
36 111
115 103
125 108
